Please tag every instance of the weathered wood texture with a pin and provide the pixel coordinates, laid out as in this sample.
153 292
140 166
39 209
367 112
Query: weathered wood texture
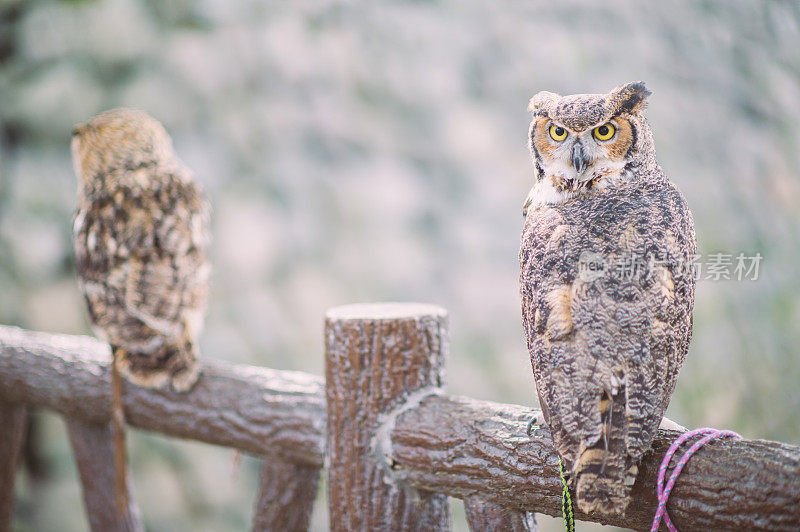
482 450
287 495
483 515
254 409
376 357
13 419
93 449
446 444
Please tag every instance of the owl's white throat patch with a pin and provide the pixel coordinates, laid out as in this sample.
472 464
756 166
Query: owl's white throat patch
545 193
562 183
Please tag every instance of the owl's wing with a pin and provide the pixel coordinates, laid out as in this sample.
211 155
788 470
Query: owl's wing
141 259
606 343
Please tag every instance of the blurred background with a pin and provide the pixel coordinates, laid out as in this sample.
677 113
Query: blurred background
358 152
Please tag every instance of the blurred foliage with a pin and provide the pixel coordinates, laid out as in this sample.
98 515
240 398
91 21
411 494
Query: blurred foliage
377 151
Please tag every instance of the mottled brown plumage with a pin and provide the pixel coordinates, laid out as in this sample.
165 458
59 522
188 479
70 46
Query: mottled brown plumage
140 237
606 288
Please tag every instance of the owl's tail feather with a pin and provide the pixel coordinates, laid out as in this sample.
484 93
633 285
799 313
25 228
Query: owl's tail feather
172 363
118 429
607 493
604 472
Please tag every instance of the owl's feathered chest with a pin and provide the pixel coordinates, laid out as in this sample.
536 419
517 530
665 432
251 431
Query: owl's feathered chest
635 242
631 216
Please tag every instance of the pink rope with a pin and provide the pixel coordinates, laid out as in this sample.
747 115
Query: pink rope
663 492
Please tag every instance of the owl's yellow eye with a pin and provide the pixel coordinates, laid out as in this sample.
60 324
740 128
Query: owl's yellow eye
558 133
604 132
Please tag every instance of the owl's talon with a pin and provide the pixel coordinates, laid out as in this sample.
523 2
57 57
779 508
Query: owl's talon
536 422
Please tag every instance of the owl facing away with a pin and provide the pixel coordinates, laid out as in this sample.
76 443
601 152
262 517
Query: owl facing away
606 285
141 235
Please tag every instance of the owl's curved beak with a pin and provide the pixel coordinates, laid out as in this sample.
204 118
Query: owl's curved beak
579 158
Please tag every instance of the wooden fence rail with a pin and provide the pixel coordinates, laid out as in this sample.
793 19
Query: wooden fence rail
397 445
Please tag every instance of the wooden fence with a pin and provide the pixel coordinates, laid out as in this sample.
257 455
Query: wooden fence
395 445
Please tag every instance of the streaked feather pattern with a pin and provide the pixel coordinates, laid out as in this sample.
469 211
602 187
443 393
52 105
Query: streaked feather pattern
606 347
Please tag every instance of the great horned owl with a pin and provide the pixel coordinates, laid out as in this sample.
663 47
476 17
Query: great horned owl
606 285
141 236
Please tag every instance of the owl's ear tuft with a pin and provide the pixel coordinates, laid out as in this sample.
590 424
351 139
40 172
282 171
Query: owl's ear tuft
631 97
541 100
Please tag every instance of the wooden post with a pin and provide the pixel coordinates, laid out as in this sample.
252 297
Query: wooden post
484 515
12 433
287 495
93 447
376 357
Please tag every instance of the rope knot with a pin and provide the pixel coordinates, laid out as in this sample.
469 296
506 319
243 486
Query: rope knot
663 492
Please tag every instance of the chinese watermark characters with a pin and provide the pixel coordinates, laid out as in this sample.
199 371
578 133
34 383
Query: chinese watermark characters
630 266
